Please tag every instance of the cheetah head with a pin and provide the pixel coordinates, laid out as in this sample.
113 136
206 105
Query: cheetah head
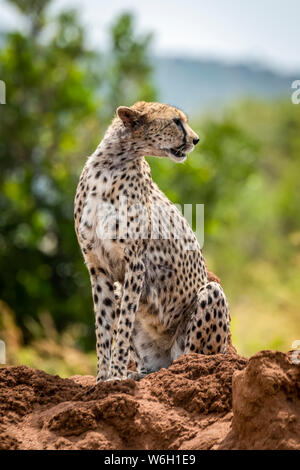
159 129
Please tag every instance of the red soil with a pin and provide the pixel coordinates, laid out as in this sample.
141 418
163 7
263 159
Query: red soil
200 402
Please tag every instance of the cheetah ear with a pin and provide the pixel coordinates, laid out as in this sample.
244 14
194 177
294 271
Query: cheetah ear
130 117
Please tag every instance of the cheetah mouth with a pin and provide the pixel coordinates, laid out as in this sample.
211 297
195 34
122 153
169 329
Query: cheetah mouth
178 154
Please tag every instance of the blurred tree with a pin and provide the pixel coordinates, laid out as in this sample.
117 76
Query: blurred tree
129 67
53 108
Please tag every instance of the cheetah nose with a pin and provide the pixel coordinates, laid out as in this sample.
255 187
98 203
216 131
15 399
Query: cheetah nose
195 141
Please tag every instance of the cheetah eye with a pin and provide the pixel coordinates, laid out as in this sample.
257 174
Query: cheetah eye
177 121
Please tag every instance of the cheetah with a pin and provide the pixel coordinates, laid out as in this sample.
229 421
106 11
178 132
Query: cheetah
153 299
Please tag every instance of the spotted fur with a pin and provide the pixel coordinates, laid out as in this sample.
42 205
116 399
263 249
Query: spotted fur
151 292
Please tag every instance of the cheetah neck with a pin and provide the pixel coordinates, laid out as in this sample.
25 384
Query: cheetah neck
116 149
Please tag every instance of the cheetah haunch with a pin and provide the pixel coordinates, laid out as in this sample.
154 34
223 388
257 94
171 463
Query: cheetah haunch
151 292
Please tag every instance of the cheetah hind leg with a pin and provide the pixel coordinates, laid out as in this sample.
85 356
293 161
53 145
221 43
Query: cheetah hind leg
208 328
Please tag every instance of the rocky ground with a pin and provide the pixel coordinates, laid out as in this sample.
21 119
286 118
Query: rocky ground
200 402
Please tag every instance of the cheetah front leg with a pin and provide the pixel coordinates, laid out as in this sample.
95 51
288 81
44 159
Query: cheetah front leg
131 292
105 314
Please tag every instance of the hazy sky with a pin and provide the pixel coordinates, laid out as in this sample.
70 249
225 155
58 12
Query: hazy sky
267 31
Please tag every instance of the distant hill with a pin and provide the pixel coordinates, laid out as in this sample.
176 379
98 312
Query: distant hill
198 85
